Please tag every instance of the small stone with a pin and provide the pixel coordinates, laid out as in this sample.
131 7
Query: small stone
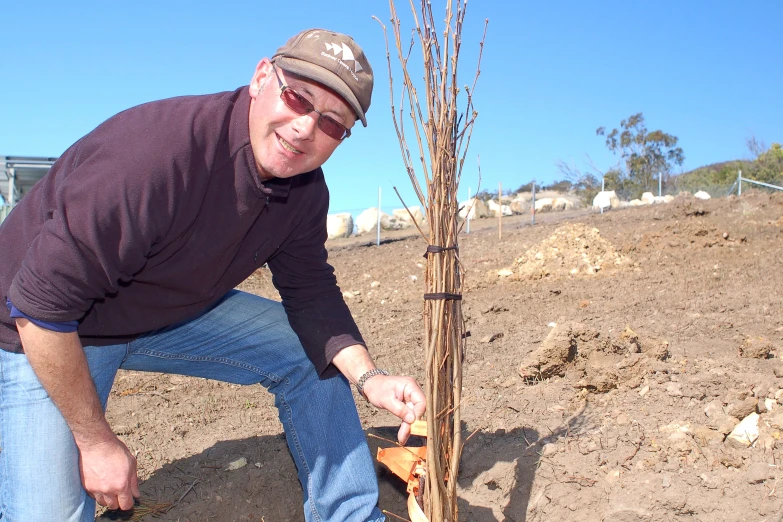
413 278
722 423
775 421
766 441
756 348
489 338
549 449
237 464
348 295
704 436
713 408
745 433
770 404
666 481
613 476
742 409
758 472
709 481
375 284
674 389
644 391
505 272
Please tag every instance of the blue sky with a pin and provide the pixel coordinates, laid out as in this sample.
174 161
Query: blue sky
709 72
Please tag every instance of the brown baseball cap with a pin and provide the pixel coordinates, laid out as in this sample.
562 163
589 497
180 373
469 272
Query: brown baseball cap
331 59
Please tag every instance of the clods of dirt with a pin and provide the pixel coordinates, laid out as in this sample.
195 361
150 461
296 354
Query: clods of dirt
593 361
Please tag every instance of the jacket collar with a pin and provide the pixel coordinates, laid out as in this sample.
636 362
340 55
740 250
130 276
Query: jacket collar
239 146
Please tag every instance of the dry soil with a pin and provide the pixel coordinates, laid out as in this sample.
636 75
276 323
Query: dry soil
601 380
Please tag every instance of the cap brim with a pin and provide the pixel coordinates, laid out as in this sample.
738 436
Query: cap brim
324 77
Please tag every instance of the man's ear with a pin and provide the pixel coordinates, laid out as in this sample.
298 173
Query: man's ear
260 77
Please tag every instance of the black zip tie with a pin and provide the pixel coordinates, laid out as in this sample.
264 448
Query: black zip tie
435 249
443 295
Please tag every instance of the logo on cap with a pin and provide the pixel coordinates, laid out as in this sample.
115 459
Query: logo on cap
338 48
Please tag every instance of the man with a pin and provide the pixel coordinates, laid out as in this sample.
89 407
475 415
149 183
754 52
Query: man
126 256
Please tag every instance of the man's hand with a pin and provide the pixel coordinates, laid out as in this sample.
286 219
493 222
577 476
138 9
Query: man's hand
107 468
108 472
400 396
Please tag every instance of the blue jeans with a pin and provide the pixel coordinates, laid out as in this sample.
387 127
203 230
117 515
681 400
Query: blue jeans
244 339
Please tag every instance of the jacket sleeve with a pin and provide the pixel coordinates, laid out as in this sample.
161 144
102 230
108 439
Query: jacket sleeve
96 226
313 301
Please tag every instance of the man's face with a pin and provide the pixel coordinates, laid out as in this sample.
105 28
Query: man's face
286 143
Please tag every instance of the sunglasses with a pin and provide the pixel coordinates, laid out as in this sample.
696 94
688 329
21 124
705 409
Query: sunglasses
301 105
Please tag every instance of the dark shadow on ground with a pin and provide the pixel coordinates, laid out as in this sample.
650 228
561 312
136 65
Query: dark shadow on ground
496 476
497 469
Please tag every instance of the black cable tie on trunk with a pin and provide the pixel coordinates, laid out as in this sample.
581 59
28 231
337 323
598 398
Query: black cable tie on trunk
435 249
443 295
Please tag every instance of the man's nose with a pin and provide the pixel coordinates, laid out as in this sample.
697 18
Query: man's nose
306 124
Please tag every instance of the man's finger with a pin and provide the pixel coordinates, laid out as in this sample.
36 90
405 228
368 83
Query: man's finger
404 432
135 485
125 502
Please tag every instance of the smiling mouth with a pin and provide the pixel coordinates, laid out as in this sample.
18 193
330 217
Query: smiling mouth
287 146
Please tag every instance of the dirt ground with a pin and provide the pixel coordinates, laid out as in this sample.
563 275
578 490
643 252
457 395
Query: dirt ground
601 380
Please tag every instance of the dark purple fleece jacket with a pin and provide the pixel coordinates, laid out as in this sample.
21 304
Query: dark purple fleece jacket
154 216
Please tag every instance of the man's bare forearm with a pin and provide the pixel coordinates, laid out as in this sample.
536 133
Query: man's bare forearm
59 362
353 361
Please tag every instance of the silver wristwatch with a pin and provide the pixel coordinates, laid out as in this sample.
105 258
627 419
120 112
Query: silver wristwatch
366 375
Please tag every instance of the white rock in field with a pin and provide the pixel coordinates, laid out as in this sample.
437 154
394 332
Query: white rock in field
745 433
562 205
403 214
521 204
635 203
702 195
606 199
375 284
668 198
505 272
477 208
339 225
494 208
544 204
367 221
648 198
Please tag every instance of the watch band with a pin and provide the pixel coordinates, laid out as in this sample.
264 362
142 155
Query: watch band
366 375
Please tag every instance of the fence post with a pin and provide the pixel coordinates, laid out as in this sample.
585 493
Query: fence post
378 238
500 210
739 183
533 205
660 184
467 213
